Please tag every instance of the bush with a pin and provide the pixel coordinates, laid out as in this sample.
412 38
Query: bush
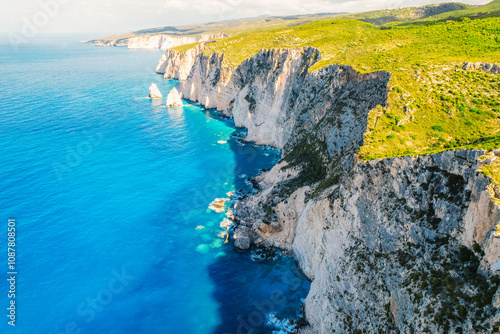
462 311
476 248
437 128
476 111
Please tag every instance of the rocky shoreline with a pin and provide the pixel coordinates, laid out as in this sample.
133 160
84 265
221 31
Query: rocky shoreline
396 245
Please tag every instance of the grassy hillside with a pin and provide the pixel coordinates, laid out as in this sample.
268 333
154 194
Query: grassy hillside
490 9
433 104
380 17
230 27
234 27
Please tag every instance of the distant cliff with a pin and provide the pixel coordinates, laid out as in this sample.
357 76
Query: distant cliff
156 41
405 244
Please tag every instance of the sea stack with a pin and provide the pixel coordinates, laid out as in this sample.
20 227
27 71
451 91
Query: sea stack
174 99
154 92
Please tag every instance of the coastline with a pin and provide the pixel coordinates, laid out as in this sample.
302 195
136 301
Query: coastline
293 210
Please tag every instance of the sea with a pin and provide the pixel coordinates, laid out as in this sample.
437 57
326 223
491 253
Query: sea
108 195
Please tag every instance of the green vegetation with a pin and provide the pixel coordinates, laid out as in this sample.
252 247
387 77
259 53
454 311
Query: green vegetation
493 170
183 48
308 154
380 17
488 10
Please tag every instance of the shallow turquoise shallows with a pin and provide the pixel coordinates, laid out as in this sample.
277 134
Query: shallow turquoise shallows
110 191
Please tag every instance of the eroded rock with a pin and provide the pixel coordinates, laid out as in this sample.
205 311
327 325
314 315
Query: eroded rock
154 92
174 99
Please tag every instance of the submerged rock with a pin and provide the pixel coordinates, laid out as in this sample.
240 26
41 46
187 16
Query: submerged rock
174 99
218 204
154 92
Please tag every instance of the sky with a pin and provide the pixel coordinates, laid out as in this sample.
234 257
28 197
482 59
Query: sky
105 17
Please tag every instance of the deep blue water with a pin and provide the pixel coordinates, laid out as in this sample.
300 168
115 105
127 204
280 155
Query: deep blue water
108 189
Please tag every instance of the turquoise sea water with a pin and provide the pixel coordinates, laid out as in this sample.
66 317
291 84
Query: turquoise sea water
108 189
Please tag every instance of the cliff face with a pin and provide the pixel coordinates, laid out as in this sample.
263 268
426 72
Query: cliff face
176 65
109 42
395 245
270 92
157 41
389 246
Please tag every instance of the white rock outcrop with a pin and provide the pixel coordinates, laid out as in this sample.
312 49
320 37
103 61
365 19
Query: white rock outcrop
166 42
173 99
154 92
160 41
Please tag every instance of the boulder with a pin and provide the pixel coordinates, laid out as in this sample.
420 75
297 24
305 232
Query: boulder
174 99
241 239
154 92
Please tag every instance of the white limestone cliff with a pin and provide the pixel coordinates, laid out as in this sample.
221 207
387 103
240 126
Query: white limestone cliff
173 99
160 41
154 92
176 65
398 245
166 42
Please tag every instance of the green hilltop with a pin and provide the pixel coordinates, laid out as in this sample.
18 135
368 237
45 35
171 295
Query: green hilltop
380 17
490 9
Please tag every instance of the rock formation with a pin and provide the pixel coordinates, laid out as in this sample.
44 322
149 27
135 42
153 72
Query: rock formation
154 92
486 67
173 99
403 244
